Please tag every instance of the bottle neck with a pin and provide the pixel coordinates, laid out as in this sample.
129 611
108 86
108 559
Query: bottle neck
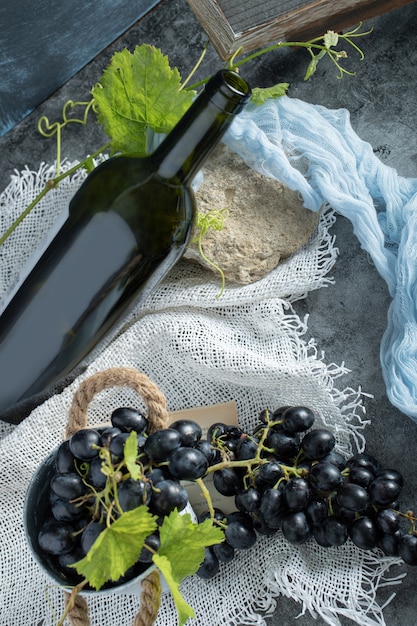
188 145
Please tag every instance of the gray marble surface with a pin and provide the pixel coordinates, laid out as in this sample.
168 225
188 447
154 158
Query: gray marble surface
348 318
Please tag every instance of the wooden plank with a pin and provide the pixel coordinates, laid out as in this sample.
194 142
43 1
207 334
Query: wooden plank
43 43
243 15
253 24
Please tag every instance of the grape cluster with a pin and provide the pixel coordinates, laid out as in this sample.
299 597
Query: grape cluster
284 477
287 477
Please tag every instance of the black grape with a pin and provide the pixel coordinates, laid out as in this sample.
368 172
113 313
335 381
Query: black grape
365 460
346 515
224 552
283 445
239 535
390 474
361 475
335 458
108 434
161 443
297 493
133 493
331 531
187 463
297 419
364 533
69 558
278 413
117 445
352 497
212 454
325 477
227 481
66 511
272 507
90 534
317 443
67 486
382 491
268 475
210 565
216 430
95 476
295 527
64 458
388 520
190 432
317 510
230 445
407 549
153 542
248 500
169 495
390 542
128 419
56 537
240 516
261 526
156 474
246 448
84 443
218 515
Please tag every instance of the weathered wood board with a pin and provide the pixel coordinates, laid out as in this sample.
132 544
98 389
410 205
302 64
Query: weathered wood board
43 43
253 24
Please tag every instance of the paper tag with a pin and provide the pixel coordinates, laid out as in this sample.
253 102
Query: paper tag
226 412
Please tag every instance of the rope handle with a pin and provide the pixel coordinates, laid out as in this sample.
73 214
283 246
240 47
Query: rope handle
117 377
157 417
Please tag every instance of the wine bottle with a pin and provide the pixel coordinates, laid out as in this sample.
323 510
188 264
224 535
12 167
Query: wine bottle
128 224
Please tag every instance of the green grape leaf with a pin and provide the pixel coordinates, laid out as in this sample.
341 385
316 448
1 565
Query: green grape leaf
117 548
139 91
182 551
183 542
184 610
259 95
130 453
330 39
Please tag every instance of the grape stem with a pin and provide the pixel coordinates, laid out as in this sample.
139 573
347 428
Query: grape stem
205 492
257 459
50 184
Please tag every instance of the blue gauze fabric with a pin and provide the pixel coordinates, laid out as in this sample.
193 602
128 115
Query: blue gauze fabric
315 151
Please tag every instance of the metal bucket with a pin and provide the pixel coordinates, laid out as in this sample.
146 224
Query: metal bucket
36 512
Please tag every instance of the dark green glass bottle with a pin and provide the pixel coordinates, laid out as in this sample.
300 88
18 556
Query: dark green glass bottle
128 224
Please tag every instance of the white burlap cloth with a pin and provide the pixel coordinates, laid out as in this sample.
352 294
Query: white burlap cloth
199 350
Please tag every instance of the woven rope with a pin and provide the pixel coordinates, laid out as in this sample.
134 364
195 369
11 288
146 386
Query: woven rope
157 417
121 377
78 613
150 600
